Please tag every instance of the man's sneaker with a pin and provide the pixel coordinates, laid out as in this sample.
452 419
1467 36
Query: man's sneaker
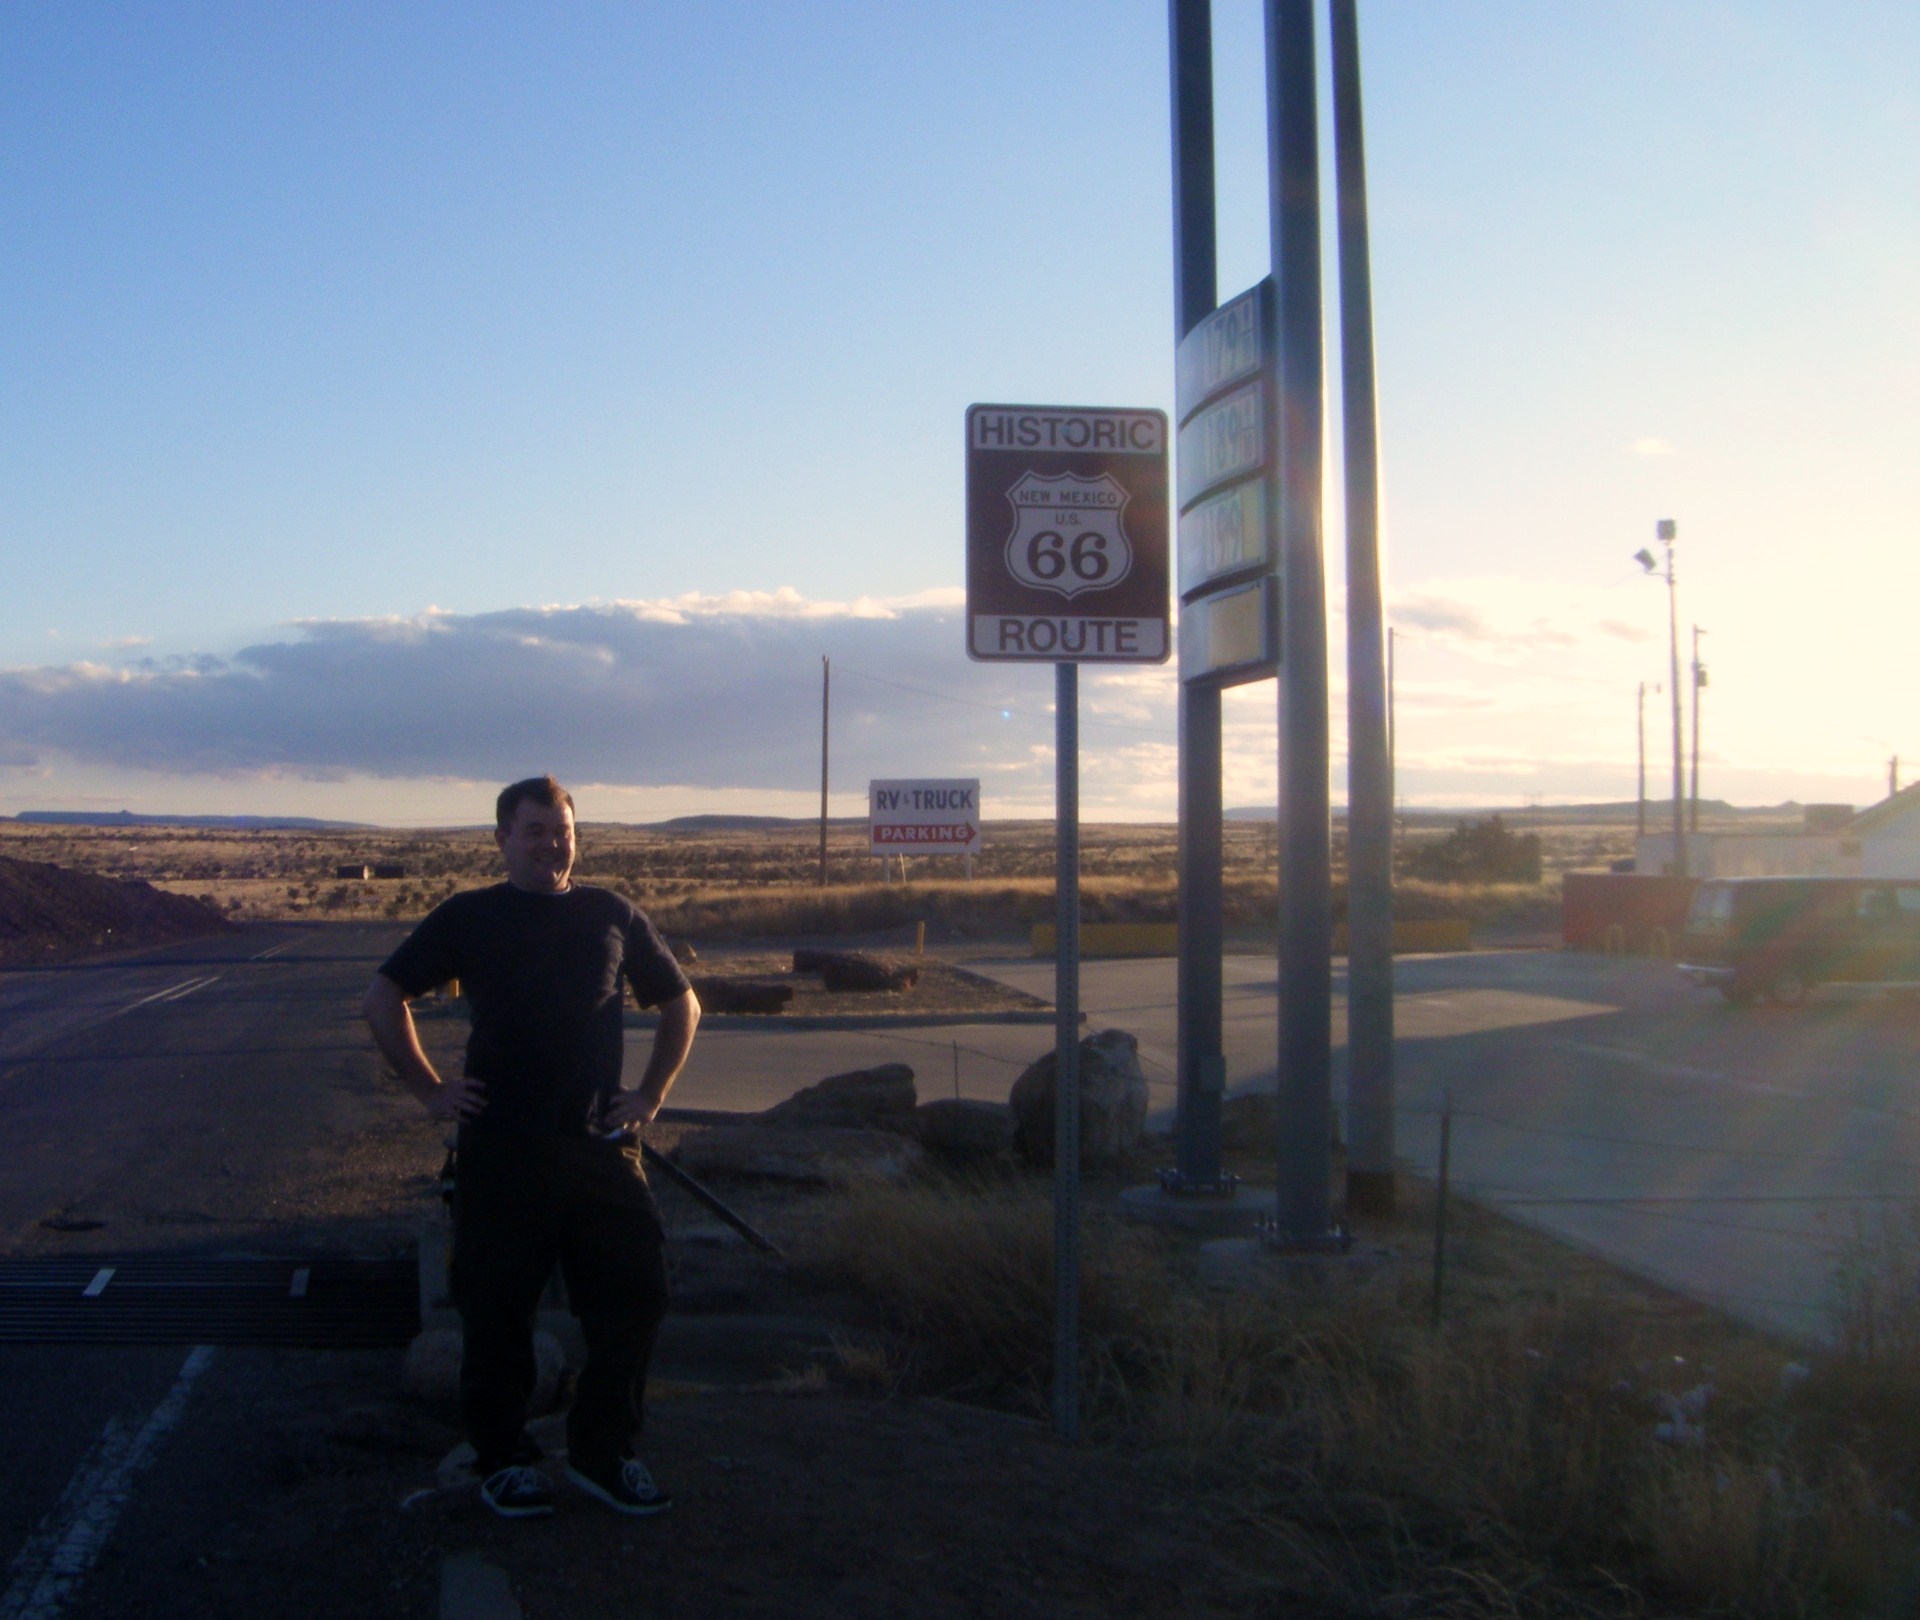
516 1492
626 1487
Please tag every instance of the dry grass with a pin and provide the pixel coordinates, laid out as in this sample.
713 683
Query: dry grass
1507 1464
750 883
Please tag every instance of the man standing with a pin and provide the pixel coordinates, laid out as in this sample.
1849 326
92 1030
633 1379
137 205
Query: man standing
541 1173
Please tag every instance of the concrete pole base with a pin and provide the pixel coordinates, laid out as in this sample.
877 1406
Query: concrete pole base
1192 1212
1372 1192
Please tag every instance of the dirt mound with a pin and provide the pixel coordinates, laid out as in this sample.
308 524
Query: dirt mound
50 914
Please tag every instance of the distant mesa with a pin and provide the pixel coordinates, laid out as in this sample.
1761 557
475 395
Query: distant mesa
751 823
126 818
1615 812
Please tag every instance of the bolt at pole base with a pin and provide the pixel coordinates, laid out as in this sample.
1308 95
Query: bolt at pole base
1176 1183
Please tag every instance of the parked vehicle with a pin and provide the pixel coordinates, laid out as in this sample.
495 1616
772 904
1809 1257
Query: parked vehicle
1780 937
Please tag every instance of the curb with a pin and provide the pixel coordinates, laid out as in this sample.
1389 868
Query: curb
833 1021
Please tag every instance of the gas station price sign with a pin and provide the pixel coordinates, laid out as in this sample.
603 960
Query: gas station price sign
1228 542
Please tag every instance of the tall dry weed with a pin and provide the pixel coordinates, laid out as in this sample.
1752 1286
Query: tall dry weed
1508 1464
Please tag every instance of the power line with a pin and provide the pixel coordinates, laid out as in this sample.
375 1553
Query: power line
1006 711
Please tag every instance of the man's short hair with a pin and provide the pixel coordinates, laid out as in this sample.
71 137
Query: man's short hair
539 789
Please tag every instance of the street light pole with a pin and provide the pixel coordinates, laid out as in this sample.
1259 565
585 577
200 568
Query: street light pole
1640 804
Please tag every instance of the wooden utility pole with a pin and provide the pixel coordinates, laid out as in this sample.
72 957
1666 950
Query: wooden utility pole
1699 680
826 681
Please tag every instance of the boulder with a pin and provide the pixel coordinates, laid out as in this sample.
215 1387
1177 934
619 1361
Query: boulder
880 1097
817 1156
960 1132
724 995
855 970
868 974
1113 1101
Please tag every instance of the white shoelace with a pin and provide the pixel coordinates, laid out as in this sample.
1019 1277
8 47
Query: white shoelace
508 1482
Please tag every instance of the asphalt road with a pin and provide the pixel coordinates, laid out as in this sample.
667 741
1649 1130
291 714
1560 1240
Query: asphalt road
1731 1154
159 1102
172 1097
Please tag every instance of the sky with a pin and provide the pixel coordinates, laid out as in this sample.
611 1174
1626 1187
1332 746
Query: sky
395 400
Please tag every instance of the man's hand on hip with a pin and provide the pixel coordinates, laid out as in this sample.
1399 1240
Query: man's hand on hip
630 1110
460 1099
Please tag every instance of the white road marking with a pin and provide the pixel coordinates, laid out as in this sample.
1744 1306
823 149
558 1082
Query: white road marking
47 1571
270 951
98 1286
173 992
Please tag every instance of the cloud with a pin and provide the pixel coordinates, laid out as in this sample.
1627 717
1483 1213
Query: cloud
1653 447
711 692
1443 617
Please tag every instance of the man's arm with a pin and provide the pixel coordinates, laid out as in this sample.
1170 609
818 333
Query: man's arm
672 1041
391 1021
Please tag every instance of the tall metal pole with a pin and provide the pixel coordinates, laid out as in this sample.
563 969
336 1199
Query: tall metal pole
1202 1067
1066 1050
1393 736
1693 788
1667 532
1370 1089
826 679
1640 806
1303 1199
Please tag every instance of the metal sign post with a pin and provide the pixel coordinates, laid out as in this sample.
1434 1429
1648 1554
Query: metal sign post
1370 1134
1303 1206
1066 1053
1229 633
1067 563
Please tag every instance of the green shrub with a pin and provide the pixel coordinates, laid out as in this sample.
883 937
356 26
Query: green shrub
1478 852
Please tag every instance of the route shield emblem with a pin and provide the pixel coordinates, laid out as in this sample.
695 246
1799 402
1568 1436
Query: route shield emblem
1069 533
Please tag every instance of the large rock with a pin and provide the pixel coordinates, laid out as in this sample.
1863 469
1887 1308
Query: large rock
855 970
719 994
881 1097
1113 1101
818 1156
961 1132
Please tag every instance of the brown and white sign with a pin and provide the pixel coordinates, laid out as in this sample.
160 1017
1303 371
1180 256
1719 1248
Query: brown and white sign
1067 535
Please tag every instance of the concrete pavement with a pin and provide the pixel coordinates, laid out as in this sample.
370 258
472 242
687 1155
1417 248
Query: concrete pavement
1730 1154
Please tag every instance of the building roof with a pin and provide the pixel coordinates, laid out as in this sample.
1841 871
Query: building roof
1897 816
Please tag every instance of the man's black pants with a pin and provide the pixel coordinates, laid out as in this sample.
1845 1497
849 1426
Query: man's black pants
518 1205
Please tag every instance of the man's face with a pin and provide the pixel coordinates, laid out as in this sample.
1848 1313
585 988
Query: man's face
538 846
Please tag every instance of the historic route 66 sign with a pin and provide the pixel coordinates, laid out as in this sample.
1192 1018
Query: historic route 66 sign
1067 535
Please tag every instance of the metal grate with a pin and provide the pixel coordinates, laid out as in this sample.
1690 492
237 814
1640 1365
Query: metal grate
148 1299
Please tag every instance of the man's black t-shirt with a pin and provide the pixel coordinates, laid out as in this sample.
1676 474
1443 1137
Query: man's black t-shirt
541 973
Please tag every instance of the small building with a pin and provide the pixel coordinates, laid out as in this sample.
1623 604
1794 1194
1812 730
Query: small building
389 869
353 874
1882 841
